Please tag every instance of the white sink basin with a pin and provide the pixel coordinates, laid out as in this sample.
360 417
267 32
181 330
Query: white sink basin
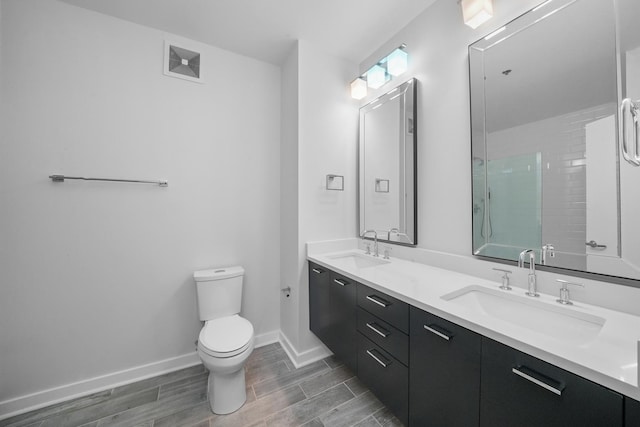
553 321
358 260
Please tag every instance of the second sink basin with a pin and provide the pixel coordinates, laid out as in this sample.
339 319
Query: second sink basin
558 322
358 260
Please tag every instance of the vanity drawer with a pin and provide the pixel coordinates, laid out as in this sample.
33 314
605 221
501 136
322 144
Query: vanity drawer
387 308
387 378
385 335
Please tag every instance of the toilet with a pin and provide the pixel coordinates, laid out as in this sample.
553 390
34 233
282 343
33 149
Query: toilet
226 340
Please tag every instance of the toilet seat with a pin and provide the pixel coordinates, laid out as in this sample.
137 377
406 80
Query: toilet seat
226 337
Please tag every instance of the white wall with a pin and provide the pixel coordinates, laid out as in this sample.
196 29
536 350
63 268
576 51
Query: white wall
328 120
326 125
97 277
289 210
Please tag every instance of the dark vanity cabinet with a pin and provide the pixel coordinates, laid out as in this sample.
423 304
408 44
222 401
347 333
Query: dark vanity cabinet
432 372
319 302
445 359
332 312
631 412
521 390
383 348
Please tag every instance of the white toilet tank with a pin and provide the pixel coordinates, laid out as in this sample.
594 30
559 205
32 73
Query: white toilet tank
219 292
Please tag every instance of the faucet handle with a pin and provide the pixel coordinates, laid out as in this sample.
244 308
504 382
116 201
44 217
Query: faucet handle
505 279
368 246
564 291
386 252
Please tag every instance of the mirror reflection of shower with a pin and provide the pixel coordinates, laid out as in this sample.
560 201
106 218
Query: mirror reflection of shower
486 221
507 204
482 209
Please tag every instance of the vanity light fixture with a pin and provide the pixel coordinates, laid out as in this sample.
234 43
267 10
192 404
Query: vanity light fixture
376 76
476 12
397 62
390 66
358 88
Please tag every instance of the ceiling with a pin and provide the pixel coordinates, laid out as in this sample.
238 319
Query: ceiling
542 70
267 29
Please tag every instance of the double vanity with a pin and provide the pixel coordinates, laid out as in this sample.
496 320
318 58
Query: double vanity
444 348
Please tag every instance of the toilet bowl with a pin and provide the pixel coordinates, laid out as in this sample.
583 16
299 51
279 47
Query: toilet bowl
223 346
226 340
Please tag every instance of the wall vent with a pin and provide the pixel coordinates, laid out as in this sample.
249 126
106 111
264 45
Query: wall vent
182 63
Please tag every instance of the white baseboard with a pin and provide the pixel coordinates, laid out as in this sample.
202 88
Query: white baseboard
266 338
44 398
304 358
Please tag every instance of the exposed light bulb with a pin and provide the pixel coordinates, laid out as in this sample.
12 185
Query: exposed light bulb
376 77
476 12
358 88
397 62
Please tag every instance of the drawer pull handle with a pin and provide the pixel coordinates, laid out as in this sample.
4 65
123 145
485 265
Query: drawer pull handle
445 335
378 359
531 375
377 300
315 270
340 282
378 329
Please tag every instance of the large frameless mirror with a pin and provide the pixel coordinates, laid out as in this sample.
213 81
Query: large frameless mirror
387 166
546 170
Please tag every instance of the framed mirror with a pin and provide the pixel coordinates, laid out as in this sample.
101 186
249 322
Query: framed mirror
387 166
545 117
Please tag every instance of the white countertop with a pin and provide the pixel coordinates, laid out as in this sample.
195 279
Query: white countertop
609 359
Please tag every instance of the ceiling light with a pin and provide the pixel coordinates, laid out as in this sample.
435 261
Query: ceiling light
476 12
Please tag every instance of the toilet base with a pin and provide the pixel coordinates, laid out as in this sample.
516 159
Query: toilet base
227 392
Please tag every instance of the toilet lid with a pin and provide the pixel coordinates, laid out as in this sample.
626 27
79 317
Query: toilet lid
226 336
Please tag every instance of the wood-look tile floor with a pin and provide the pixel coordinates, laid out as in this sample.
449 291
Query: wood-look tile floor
324 393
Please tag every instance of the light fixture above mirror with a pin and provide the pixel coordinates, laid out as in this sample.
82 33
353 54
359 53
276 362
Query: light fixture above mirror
476 12
387 68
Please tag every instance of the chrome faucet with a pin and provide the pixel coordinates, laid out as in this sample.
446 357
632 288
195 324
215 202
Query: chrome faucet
391 230
531 281
375 240
547 251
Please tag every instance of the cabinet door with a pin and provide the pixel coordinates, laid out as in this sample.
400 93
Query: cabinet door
319 301
520 390
631 412
342 329
444 388
387 378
